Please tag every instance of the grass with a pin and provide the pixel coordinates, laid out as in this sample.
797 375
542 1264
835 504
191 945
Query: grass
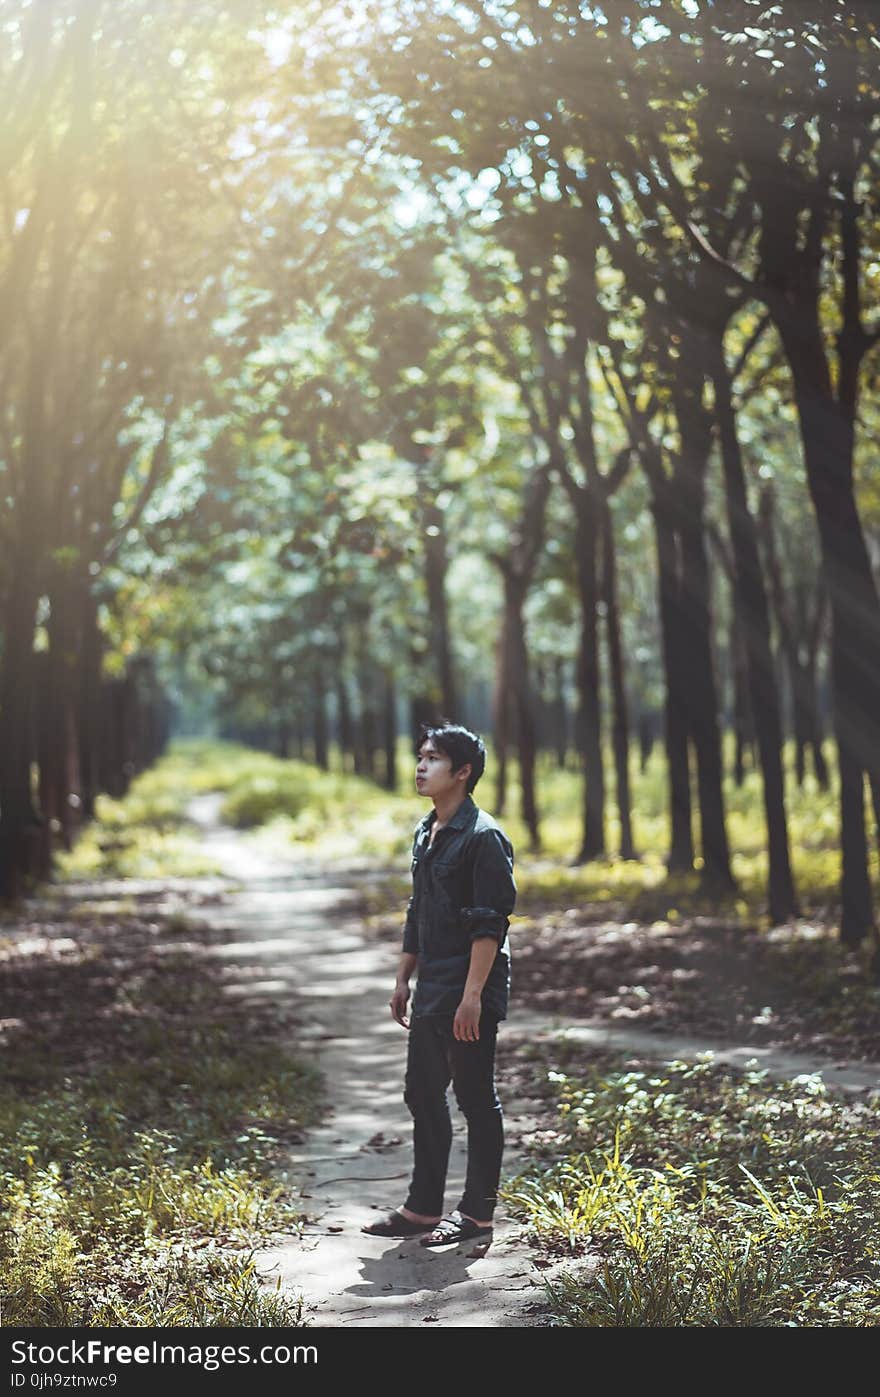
144 1112
146 833
141 1120
687 1196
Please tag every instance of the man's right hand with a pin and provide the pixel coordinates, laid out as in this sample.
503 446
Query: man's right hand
399 1001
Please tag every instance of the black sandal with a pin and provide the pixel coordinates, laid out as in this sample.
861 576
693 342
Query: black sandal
396 1225
455 1228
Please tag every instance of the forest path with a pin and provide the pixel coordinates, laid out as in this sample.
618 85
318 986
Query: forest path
295 931
301 924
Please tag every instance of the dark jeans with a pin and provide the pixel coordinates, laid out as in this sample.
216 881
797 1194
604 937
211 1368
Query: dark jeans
434 1059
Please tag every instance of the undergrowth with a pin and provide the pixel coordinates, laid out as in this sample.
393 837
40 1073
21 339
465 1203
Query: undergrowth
142 1115
688 1196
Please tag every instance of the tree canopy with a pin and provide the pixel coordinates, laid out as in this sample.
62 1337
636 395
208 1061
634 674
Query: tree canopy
509 361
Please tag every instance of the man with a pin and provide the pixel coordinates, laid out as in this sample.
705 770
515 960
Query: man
455 938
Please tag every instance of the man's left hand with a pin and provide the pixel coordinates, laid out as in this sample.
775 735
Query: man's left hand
466 1025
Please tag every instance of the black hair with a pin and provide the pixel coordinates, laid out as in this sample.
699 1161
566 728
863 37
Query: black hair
459 744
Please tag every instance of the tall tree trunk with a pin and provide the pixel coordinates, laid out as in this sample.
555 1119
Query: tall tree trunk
755 623
46 767
346 726
19 822
57 687
424 710
59 766
89 701
131 721
319 720
513 696
799 644
541 707
501 718
809 639
875 804
700 693
593 844
743 722
436 567
828 434
106 731
365 758
620 727
560 714
389 729
647 735
520 698
743 719
114 756
681 844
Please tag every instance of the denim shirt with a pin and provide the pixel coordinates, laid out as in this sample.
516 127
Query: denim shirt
463 889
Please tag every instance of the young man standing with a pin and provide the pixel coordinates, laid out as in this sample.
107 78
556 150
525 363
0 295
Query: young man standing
455 940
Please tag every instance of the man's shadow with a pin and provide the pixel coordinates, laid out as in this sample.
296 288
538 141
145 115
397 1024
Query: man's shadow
437 1271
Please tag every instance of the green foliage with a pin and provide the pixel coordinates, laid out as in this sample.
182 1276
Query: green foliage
48 1283
702 1280
703 1198
106 1225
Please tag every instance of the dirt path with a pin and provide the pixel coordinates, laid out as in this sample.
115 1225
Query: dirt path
295 931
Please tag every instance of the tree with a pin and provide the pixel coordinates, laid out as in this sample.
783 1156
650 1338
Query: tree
106 266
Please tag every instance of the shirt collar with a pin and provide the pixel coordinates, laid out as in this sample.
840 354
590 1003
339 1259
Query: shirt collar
462 817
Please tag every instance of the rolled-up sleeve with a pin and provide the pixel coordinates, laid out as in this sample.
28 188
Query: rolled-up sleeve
494 888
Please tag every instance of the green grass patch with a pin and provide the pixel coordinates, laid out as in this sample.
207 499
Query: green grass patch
690 1196
143 1117
146 834
323 814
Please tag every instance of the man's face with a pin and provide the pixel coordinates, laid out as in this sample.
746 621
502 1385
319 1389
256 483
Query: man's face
434 774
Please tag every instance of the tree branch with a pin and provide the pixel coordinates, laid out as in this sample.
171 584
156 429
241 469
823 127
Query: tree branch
157 465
